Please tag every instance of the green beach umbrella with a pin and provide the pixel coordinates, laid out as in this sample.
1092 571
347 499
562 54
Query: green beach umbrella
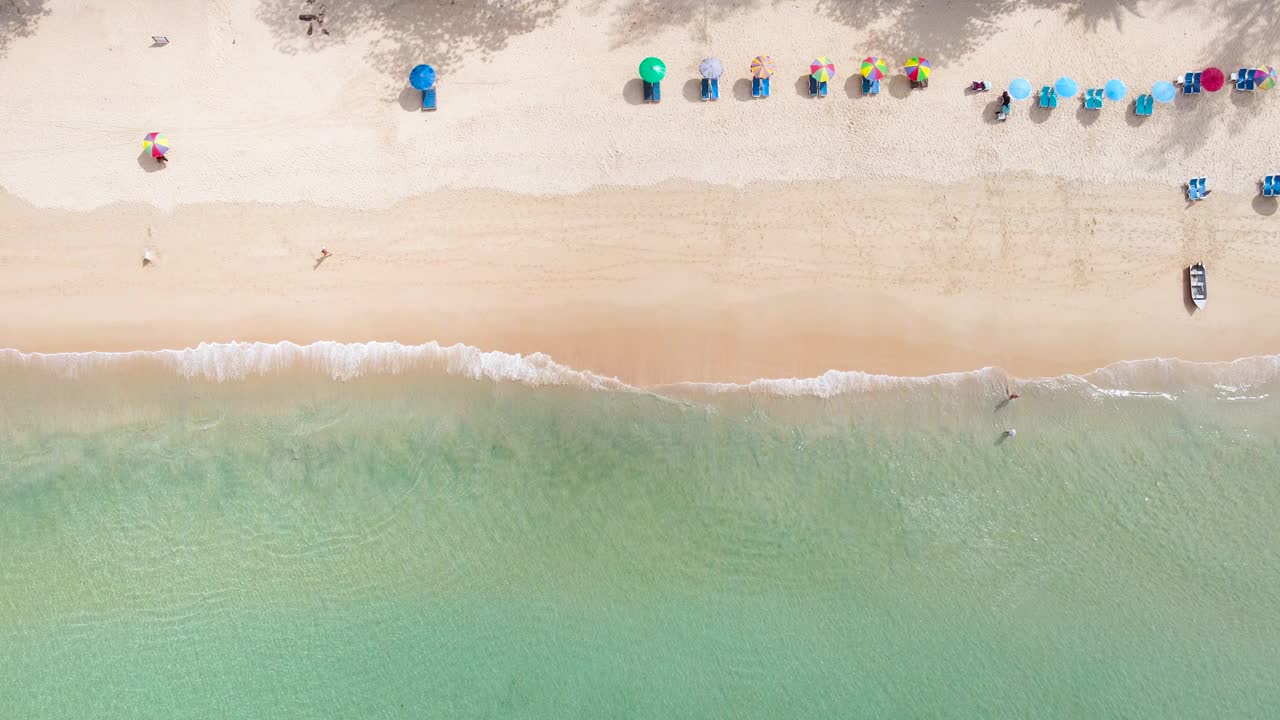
652 70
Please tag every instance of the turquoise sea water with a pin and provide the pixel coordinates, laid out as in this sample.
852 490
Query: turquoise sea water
444 541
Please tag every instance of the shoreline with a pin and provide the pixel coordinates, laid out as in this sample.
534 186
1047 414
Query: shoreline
674 283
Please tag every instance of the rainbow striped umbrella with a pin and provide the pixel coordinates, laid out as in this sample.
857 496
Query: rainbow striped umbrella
1265 77
874 68
156 143
821 68
918 69
762 66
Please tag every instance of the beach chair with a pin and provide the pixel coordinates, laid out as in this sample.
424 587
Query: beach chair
1190 83
870 87
1243 78
710 90
1003 113
1271 186
652 92
1196 188
1093 99
759 87
1144 105
817 89
429 99
1048 97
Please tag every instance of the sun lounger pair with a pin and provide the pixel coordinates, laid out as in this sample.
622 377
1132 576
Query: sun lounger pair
817 89
1144 105
1243 78
1048 97
1271 186
652 92
429 99
710 89
759 87
1190 83
1093 99
1196 188
870 87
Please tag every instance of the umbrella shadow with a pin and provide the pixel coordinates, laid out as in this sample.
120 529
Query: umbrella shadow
802 86
148 163
1038 114
1132 118
633 91
410 99
853 86
1087 117
692 90
742 89
899 86
1264 205
990 110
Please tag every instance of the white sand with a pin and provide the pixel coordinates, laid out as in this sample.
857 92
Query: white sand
540 96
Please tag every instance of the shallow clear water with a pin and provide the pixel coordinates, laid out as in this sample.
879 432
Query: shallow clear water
430 545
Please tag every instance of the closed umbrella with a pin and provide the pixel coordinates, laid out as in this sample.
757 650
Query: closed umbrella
1163 91
1115 90
711 68
1212 79
821 68
1019 89
874 68
762 67
155 143
652 70
1066 87
422 77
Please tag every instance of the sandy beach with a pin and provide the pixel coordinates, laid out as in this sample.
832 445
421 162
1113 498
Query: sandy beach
544 209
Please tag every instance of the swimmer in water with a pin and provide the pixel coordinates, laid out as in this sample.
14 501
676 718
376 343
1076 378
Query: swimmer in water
1010 433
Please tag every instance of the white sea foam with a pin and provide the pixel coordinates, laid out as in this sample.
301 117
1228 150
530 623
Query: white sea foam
1156 377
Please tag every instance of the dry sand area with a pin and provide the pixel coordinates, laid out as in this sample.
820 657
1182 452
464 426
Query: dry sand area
544 208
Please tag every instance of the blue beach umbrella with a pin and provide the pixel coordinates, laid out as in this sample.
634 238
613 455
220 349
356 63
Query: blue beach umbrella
1019 89
422 77
1163 91
1066 87
1115 90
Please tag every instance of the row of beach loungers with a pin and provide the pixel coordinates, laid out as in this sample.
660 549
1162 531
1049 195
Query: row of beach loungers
1198 187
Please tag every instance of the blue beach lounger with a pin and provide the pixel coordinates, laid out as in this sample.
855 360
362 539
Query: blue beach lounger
1196 188
822 89
652 92
710 89
429 99
1048 97
1271 186
1190 83
759 87
1243 78
870 87
1144 105
1093 99
813 87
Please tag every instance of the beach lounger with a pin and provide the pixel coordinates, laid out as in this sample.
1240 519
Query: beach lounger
813 87
1190 83
1271 186
1197 188
1093 99
822 89
652 92
759 87
870 87
1048 97
1144 105
710 90
429 99
1243 78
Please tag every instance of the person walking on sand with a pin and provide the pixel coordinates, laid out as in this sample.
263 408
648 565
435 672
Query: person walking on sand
324 253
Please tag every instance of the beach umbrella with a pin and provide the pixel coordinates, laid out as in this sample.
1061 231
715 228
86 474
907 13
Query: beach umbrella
422 77
1163 91
1066 87
1019 89
762 67
1265 77
711 68
155 143
652 70
918 69
1212 79
874 68
821 68
1115 90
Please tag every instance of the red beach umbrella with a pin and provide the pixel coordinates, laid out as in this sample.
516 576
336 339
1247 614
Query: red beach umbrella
1212 79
